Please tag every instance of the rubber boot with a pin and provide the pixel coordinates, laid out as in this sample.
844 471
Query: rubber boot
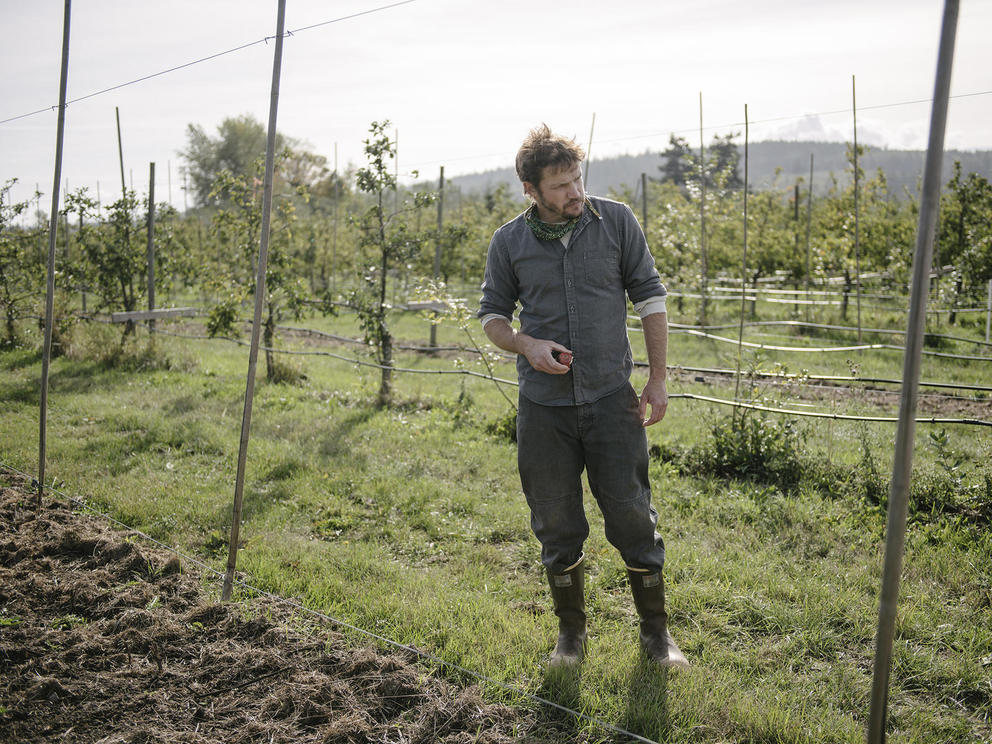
567 593
648 588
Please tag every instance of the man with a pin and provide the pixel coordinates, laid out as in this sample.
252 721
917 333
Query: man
571 261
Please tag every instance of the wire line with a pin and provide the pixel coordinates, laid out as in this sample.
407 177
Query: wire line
264 40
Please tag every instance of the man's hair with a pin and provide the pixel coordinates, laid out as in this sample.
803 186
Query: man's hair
541 149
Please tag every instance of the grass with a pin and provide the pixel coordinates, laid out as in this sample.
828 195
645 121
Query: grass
408 524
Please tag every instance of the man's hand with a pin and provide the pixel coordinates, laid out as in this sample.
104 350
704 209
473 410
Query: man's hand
541 355
655 395
537 350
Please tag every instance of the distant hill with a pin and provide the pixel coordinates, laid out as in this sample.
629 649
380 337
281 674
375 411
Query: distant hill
902 168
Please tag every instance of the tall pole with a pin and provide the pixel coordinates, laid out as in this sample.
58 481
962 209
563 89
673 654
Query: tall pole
151 243
592 127
702 212
53 218
334 230
857 216
740 333
263 257
644 201
809 224
895 531
437 248
120 151
988 313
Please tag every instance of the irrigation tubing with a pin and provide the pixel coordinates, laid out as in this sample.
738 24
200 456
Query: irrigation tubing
825 349
244 585
823 326
426 349
819 414
827 378
472 373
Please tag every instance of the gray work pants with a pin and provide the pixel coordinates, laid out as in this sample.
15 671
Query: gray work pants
607 440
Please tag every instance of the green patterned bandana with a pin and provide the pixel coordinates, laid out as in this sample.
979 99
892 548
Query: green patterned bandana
545 230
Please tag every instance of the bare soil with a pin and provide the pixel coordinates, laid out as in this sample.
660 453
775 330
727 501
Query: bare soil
105 638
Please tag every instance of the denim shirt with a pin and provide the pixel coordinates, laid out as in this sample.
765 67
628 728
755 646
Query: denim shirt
574 295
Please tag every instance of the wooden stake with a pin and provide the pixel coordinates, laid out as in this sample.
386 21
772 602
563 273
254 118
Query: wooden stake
151 244
263 257
592 127
437 248
895 531
809 224
702 213
740 332
644 201
857 235
120 150
988 313
46 355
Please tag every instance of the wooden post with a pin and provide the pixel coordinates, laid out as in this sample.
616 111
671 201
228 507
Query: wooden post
120 150
702 213
644 201
334 232
857 235
151 244
263 255
437 248
46 355
895 531
740 333
809 224
988 313
585 177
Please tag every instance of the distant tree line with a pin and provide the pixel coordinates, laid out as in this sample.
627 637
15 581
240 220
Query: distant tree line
359 240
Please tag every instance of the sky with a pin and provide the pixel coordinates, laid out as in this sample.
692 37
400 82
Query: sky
462 81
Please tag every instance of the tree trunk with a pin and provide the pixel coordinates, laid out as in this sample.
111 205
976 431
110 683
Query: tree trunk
386 383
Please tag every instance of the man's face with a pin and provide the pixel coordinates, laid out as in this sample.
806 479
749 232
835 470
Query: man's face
559 195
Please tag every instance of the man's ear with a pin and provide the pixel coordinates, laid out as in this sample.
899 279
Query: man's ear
530 190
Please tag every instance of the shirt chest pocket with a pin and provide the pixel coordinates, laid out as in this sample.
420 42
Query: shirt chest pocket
602 269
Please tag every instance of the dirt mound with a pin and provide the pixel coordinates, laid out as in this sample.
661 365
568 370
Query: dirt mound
106 640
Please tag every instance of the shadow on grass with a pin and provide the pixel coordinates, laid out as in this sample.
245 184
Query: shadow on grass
20 358
561 687
647 701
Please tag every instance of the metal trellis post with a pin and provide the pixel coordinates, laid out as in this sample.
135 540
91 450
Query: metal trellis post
895 531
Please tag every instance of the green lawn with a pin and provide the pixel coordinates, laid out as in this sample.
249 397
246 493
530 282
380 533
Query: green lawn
408 523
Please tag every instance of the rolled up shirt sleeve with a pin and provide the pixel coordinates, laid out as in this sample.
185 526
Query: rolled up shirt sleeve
650 306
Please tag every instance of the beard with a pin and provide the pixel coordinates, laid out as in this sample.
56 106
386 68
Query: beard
569 210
